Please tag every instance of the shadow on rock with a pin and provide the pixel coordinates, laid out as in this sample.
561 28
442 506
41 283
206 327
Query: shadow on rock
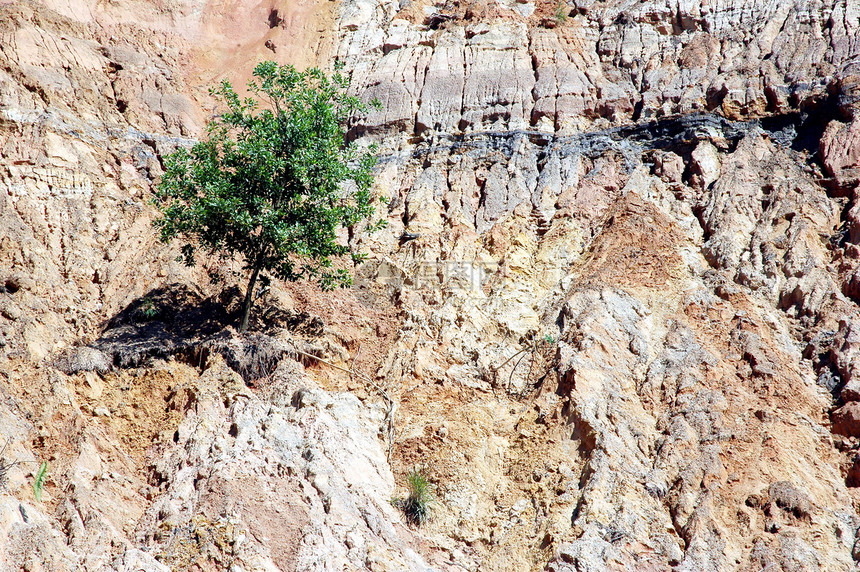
166 322
174 321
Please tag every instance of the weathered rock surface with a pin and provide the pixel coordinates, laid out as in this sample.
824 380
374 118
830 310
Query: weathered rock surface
647 202
620 341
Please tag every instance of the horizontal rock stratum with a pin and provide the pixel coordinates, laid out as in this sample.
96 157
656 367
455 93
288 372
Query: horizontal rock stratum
622 332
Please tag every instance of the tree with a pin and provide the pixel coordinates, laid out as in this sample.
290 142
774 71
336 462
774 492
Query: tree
272 182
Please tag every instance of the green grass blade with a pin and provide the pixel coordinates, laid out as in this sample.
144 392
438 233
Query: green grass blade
39 481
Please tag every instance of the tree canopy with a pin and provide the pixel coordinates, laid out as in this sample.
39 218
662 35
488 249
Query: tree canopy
274 180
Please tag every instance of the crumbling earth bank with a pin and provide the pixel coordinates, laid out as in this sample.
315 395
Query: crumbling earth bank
625 337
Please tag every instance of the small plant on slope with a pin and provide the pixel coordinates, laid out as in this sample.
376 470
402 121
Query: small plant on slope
416 506
561 13
147 309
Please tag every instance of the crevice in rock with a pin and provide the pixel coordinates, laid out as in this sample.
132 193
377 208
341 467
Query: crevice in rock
274 18
152 145
802 130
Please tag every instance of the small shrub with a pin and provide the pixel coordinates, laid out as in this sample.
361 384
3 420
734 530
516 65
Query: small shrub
561 13
417 505
147 309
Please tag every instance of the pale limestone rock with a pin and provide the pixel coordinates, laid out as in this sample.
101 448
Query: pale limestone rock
840 151
706 163
318 450
134 560
441 102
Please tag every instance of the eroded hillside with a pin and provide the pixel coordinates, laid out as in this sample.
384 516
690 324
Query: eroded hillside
625 338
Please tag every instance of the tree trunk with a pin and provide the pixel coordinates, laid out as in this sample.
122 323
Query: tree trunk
249 300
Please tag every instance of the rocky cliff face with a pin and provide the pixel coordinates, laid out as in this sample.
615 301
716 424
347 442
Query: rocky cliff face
625 338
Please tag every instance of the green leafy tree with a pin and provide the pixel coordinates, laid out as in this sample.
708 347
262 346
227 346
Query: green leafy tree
273 181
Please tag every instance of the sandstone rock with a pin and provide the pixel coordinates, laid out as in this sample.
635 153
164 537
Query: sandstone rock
840 153
670 167
853 480
851 390
851 286
846 353
789 499
706 163
846 420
